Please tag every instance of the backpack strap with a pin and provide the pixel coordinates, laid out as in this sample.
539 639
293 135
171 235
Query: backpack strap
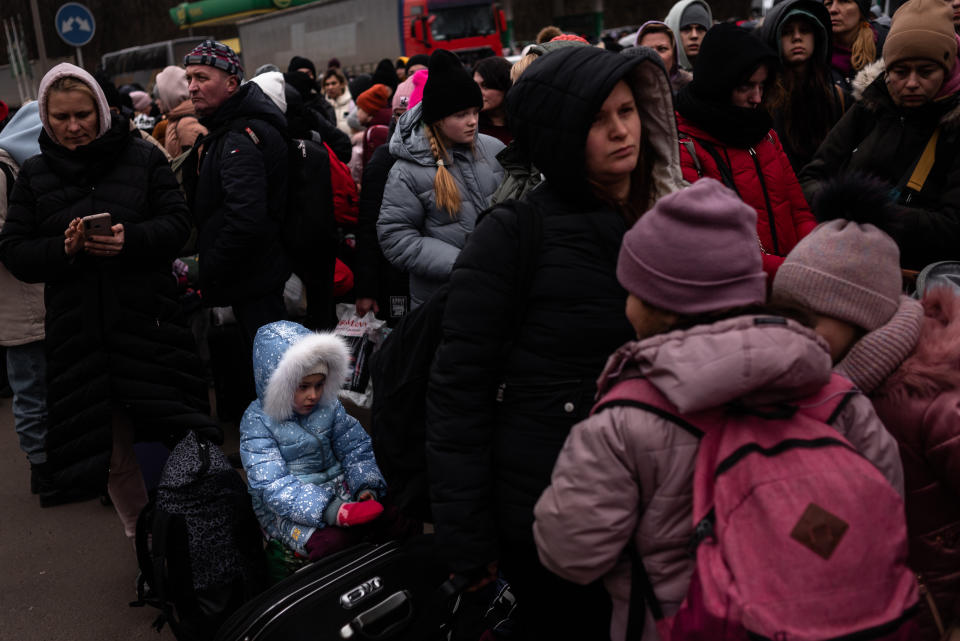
726 174
843 99
638 392
925 163
10 179
688 143
827 404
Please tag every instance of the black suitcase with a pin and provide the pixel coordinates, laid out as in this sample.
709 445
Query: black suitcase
387 591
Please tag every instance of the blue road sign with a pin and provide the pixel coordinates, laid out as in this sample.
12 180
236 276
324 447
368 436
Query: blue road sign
75 24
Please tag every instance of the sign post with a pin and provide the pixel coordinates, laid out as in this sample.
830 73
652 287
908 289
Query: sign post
75 26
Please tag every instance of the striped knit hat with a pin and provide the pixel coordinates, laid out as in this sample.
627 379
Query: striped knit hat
215 54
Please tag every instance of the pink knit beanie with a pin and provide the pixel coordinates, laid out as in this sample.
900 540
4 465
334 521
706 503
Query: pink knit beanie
401 97
172 88
696 251
846 270
140 99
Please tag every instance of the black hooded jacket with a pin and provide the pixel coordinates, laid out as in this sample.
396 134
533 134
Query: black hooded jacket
115 337
240 198
504 394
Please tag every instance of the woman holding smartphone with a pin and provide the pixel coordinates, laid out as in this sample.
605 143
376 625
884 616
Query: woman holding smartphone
122 367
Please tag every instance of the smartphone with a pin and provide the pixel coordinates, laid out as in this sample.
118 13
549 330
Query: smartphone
97 225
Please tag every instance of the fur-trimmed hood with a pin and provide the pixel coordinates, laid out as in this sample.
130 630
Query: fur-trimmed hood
934 366
285 352
868 88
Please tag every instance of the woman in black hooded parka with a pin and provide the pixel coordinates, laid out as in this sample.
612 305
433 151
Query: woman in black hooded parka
121 362
503 395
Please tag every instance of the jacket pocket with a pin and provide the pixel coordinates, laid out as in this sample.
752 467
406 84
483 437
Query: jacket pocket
568 398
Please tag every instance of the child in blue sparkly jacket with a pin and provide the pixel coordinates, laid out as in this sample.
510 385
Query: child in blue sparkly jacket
310 465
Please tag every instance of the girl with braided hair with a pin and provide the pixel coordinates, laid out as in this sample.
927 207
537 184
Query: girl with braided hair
443 178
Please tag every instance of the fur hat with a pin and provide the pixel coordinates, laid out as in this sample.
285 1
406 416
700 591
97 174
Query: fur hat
215 54
922 29
449 88
374 99
846 268
696 251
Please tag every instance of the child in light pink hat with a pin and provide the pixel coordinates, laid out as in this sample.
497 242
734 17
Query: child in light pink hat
903 353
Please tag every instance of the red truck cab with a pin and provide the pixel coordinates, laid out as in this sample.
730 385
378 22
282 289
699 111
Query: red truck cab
472 28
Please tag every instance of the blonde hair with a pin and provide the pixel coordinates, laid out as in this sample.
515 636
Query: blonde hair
864 49
521 65
445 191
69 83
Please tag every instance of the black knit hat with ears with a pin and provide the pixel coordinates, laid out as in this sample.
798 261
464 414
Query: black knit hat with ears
449 88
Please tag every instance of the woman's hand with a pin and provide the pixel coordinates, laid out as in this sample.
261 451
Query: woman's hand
366 495
106 245
364 305
73 237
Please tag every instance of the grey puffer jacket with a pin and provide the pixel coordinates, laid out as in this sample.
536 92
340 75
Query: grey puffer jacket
416 235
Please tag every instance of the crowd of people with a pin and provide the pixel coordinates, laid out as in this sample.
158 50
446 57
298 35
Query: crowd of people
711 226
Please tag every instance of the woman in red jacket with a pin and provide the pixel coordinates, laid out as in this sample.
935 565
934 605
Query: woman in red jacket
726 134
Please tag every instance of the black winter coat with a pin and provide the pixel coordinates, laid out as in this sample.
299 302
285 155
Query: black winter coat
879 138
115 337
241 196
374 276
504 392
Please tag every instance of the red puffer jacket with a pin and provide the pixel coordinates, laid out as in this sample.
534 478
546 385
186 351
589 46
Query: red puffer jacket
763 179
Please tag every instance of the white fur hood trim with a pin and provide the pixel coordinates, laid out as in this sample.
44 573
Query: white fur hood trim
300 360
866 76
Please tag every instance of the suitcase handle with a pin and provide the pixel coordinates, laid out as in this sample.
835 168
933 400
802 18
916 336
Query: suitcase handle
382 620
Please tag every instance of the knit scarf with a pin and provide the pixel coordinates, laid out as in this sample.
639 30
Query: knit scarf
734 126
878 354
840 59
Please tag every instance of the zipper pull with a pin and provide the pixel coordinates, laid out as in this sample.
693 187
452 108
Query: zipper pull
500 391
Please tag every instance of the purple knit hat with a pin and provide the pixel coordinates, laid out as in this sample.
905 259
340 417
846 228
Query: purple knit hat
696 251
215 54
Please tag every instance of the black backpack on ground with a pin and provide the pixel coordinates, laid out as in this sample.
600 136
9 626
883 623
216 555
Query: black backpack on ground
199 545
400 370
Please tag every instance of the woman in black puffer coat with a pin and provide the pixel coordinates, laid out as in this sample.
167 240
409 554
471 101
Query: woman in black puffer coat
504 392
122 366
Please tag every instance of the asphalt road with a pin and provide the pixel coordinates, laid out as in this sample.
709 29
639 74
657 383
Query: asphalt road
67 573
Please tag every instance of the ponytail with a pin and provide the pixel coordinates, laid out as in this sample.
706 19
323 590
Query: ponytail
445 191
864 49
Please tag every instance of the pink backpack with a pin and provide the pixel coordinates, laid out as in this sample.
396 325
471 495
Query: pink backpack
796 535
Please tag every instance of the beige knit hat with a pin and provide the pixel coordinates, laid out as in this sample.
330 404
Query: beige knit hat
922 29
